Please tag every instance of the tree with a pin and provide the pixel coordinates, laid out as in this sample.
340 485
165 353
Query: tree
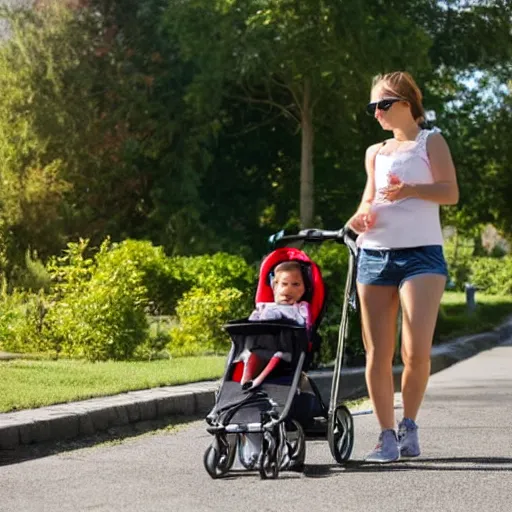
300 59
95 137
173 119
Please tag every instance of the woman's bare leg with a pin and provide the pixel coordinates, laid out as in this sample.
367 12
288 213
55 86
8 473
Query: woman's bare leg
379 309
420 297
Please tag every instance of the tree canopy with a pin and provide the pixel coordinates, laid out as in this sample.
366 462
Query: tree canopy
206 125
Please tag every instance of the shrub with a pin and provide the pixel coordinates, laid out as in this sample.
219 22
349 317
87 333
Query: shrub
492 275
70 272
215 272
163 282
33 276
459 272
201 315
21 320
219 288
160 280
155 345
332 258
99 305
459 252
99 302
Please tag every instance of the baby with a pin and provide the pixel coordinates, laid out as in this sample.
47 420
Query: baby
288 286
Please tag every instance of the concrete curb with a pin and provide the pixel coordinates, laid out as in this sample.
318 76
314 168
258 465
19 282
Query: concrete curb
87 417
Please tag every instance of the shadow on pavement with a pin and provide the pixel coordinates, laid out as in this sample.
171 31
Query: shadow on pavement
114 435
421 464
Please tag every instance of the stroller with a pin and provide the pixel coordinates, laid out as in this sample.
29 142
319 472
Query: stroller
266 427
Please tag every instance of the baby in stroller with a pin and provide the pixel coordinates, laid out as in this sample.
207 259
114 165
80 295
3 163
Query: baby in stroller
289 289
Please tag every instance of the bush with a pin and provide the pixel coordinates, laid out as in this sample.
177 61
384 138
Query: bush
21 320
99 305
155 345
459 252
332 258
459 272
219 288
33 276
167 279
158 277
201 315
492 275
215 272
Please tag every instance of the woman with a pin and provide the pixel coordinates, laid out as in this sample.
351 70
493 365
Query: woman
401 258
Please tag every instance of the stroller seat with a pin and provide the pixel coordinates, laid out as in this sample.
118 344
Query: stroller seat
236 405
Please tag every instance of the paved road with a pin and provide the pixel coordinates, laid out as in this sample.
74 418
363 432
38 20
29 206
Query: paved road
466 431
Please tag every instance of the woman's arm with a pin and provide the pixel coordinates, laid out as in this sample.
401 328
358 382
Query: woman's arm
369 189
444 189
359 222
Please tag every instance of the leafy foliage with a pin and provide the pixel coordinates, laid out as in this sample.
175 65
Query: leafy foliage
333 260
298 60
101 313
21 321
213 272
99 302
203 126
220 288
493 276
169 120
201 315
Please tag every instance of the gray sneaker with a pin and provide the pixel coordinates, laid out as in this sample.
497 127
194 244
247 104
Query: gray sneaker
408 438
387 449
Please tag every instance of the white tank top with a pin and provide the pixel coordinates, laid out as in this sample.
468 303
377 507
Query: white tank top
409 222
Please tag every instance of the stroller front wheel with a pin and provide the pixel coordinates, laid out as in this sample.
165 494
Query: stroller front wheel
218 457
268 464
340 434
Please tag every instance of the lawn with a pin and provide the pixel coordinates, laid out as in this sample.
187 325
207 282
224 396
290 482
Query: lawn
454 319
35 383
27 384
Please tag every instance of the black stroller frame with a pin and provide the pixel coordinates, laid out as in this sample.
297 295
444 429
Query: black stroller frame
282 445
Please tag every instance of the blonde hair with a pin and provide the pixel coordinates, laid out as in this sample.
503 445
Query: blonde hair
402 85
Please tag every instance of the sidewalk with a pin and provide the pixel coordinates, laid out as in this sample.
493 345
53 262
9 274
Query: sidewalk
87 417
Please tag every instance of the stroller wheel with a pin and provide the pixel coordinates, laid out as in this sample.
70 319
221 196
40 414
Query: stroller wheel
268 463
340 434
219 456
296 446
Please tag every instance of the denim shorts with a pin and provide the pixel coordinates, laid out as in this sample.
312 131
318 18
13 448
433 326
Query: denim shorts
392 267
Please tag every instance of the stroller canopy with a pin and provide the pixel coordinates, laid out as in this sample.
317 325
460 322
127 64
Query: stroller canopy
315 289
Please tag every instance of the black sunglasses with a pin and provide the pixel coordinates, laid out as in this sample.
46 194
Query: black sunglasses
384 104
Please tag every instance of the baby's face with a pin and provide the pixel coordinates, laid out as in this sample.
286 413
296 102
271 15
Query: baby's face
288 287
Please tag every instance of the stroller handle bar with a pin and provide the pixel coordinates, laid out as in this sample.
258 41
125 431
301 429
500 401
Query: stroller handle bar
344 236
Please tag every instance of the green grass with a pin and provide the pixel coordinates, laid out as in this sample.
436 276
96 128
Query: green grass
28 384
454 319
